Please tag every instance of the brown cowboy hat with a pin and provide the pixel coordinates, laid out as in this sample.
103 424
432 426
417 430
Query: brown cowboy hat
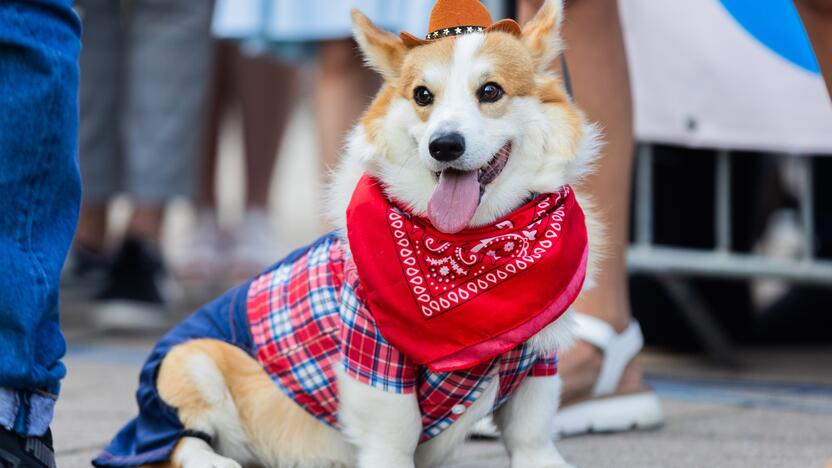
457 17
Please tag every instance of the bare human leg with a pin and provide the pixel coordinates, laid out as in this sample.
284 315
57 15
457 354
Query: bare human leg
817 18
216 103
92 227
267 90
345 88
598 66
146 223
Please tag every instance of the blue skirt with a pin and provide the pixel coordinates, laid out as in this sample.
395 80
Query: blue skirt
314 20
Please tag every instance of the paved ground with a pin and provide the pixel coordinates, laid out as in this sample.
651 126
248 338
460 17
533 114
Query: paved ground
766 415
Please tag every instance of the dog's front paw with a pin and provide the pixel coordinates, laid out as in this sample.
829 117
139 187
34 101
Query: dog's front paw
209 460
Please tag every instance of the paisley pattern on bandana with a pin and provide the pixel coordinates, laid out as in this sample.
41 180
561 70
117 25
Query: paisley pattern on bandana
443 273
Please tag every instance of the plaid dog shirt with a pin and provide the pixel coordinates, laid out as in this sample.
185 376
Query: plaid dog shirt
307 317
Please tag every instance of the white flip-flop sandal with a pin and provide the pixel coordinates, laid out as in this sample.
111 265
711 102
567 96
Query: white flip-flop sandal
608 411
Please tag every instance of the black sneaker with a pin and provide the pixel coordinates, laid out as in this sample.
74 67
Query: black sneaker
137 290
17 451
84 274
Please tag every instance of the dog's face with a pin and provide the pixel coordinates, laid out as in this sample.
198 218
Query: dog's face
465 129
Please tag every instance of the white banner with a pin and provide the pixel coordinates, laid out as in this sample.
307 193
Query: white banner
730 74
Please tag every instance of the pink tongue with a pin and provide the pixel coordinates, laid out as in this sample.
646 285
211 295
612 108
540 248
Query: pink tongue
454 201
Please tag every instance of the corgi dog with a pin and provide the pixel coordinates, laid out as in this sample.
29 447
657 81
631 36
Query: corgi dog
465 130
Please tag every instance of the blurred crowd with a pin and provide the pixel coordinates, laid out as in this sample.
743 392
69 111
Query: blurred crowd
159 78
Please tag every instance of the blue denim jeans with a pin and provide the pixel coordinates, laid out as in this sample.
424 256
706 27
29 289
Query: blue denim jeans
40 194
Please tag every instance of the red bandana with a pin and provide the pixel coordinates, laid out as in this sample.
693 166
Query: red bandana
453 301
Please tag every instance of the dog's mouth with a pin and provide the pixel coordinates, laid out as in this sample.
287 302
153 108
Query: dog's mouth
458 193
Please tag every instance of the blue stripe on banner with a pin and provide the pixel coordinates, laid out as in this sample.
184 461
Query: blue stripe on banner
777 25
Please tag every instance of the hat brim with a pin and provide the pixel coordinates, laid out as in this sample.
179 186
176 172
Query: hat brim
507 25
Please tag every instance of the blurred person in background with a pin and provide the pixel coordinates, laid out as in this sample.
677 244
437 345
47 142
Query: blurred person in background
684 183
145 66
602 366
801 315
262 43
322 29
265 89
40 191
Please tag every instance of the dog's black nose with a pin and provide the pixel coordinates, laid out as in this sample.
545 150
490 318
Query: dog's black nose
447 147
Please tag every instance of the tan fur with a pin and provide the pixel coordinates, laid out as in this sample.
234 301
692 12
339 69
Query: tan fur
572 120
541 31
440 52
596 235
551 91
161 465
437 53
371 120
270 419
388 49
513 66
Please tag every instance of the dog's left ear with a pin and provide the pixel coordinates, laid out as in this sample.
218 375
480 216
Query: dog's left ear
382 50
542 34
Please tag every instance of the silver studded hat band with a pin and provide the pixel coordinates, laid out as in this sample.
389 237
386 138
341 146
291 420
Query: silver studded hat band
456 31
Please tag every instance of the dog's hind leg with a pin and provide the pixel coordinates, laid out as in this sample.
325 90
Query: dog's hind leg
221 391
192 380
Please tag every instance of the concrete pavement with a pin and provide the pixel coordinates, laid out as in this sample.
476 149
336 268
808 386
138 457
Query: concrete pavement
713 420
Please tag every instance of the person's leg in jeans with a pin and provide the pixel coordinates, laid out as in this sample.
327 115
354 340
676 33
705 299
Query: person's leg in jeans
40 193
598 64
167 68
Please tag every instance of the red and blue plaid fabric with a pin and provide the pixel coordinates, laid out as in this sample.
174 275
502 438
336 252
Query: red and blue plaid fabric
306 317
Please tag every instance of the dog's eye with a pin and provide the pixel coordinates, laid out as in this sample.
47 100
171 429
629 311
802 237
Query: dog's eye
422 96
490 92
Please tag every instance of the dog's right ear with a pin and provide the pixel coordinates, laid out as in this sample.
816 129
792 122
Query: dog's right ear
384 51
542 34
